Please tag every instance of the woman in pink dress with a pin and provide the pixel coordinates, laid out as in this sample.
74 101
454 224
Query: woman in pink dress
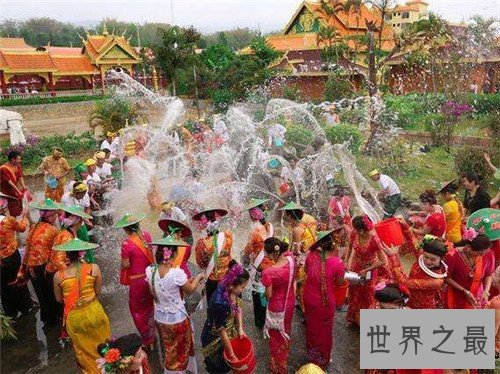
338 209
324 271
136 257
363 255
279 280
470 270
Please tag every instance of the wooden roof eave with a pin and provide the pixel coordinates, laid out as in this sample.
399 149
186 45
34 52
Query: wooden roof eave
74 73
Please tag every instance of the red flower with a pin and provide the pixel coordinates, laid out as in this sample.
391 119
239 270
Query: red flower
112 355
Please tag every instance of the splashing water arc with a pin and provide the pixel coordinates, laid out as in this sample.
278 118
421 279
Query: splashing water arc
229 174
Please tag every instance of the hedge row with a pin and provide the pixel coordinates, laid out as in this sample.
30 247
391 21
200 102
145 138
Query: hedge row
48 100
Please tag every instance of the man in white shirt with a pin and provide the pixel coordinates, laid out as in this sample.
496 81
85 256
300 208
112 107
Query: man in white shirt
93 178
170 211
103 169
78 196
111 142
390 193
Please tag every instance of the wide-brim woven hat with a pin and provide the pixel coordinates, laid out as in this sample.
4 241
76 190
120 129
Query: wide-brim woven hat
219 211
322 237
129 220
75 245
253 203
170 226
47 204
169 241
292 206
75 210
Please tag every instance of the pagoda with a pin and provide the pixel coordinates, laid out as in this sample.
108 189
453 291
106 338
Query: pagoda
47 68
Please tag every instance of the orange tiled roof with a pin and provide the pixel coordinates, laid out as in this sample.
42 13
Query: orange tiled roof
293 42
405 8
3 63
73 64
64 51
28 61
14 43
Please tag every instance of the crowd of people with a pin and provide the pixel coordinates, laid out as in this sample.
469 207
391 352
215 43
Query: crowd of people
317 268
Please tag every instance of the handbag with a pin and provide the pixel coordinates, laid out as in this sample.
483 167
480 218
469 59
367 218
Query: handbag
276 320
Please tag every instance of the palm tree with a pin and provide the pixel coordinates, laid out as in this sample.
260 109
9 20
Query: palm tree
354 6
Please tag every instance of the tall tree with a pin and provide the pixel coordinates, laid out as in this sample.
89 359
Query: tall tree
176 51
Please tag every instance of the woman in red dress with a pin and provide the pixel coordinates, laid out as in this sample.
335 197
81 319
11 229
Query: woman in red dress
324 271
364 255
470 270
426 278
435 221
279 281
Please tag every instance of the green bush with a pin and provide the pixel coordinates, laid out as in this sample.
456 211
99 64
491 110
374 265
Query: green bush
471 160
222 99
355 116
484 103
49 100
291 93
298 135
337 87
36 149
344 133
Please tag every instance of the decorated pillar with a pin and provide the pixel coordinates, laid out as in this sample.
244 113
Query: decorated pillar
4 85
51 84
103 85
155 80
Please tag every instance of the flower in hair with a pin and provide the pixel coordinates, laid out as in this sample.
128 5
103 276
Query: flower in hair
470 234
112 355
427 238
380 286
367 222
167 254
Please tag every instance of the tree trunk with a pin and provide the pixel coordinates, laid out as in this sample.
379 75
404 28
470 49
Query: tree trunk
372 91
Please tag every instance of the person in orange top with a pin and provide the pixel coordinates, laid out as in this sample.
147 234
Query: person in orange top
39 244
55 168
12 182
213 252
453 211
15 296
303 234
254 256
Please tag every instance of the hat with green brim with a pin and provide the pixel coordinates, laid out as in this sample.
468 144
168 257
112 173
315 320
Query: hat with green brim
253 203
292 206
170 226
75 245
75 210
80 168
129 220
7 196
220 212
169 241
486 221
48 204
445 185
322 236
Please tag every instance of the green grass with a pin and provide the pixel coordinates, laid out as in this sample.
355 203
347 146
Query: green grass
49 100
416 171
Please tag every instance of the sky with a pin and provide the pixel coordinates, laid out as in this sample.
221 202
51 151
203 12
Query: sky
206 15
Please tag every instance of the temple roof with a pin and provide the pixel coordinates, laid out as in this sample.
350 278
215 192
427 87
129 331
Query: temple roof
14 44
29 61
77 65
17 57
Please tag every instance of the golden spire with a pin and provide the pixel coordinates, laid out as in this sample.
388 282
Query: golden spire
105 29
